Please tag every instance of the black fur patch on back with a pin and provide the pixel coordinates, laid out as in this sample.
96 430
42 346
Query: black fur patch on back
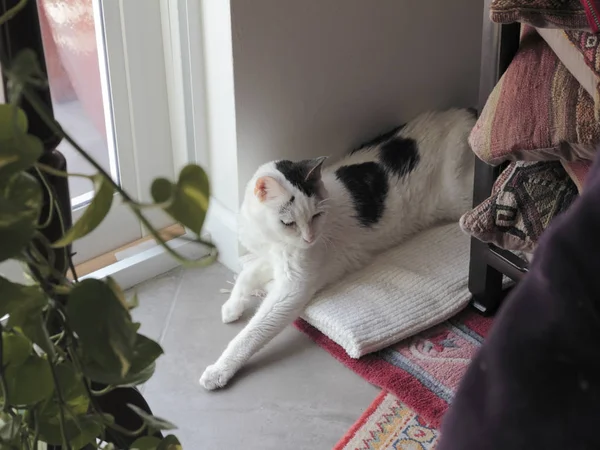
399 156
296 173
378 140
368 186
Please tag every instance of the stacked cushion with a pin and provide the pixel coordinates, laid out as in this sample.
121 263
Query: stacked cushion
566 14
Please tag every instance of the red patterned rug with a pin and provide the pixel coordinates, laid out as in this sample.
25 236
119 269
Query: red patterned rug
423 371
388 424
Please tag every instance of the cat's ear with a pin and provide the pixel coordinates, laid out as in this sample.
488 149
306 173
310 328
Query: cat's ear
268 188
315 172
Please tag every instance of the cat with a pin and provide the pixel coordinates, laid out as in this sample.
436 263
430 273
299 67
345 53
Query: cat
306 226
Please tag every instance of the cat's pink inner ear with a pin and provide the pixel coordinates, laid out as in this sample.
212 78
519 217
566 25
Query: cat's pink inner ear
267 188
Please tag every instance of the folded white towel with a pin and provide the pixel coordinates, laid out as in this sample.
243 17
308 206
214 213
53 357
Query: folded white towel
404 291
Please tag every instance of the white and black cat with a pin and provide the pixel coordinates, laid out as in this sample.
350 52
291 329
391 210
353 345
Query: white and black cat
305 227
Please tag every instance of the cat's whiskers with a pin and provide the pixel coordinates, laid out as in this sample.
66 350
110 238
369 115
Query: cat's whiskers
329 243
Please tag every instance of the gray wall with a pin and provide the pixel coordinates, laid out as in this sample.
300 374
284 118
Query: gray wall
315 77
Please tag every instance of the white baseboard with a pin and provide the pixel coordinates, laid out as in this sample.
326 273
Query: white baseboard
148 260
141 263
221 224
135 268
135 264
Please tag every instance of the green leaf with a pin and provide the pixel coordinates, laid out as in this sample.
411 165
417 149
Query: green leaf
146 443
15 349
103 324
18 153
117 291
133 302
94 213
72 388
188 199
154 423
9 432
20 301
170 443
13 120
80 432
25 70
25 305
33 327
99 374
23 190
20 205
145 352
30 382
18 150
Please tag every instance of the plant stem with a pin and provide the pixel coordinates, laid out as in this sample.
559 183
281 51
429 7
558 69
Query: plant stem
58 130
61 402
104 391
3 384
59 173
51 199
50 256
125 431
36 435
40 109
54 206
12 12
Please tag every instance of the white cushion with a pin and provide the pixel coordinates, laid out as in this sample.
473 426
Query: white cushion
408 289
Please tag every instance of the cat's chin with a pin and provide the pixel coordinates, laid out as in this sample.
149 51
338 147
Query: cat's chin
305 245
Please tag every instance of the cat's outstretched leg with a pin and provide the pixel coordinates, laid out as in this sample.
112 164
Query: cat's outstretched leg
282 305
254 275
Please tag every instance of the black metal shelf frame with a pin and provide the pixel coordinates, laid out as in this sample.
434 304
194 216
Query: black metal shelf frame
488 263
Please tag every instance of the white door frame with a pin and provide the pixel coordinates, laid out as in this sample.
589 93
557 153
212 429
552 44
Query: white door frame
200 62
138 109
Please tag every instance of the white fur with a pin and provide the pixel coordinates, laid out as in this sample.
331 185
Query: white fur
292 270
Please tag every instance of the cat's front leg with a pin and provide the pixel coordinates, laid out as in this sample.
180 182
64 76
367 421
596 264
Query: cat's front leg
283 304
254 275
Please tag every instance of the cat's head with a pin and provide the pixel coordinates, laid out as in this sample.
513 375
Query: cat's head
287 201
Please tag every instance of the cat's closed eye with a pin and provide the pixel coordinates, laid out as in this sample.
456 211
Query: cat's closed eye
288 224
319 214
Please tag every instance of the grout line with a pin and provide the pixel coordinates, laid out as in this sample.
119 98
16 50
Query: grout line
163 332
172 308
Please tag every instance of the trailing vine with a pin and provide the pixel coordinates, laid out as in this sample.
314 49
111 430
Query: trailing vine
65 343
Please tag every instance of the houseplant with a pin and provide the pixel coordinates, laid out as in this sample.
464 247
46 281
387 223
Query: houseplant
68 343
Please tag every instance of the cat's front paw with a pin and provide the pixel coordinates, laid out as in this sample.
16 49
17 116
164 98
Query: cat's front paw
215 377
231 311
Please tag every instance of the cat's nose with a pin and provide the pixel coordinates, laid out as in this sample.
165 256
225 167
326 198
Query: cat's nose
308 239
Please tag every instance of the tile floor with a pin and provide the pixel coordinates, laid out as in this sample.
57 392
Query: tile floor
292 395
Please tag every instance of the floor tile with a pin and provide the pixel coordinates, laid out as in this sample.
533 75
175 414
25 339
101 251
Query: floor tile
292 395
156 298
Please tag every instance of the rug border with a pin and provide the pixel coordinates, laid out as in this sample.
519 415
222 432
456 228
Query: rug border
361 420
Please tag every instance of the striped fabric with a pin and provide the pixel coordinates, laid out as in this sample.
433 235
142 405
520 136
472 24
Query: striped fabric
537 111
592 12
568 14
525 199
